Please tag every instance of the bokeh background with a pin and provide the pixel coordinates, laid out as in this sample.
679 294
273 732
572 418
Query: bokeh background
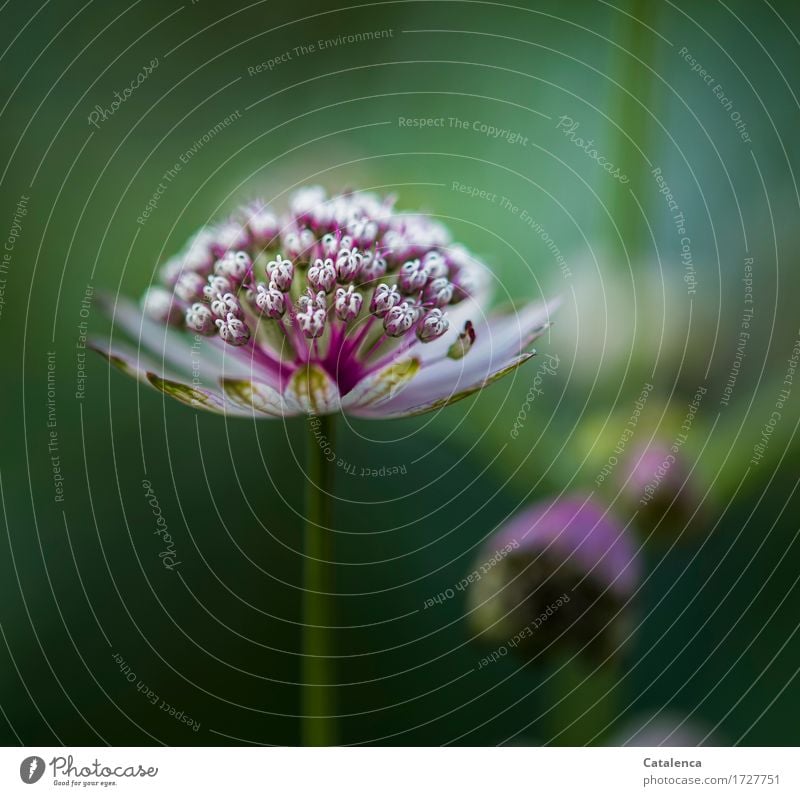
84 598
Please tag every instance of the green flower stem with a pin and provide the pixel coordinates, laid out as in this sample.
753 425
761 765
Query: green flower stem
635 123
318 685
586 703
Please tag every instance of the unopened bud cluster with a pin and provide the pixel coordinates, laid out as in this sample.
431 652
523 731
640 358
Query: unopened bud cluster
330 270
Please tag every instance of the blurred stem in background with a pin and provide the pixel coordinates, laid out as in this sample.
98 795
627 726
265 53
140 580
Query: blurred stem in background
585 702
317 679
631 139
586 698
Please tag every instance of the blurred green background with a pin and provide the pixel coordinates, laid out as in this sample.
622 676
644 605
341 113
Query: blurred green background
218 638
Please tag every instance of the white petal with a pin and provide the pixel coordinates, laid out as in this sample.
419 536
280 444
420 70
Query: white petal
256 397
196 397
497 344
382 385
140 367
312 390
414 402
126 359
178 349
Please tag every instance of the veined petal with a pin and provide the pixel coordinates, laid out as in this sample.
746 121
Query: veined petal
312 390
382 385
498 344
497 337
140 367
196 397
513 330
125 359
256 396
179 350
416 404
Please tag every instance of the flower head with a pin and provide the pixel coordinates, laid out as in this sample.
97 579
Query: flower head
559 574
656 482
342 303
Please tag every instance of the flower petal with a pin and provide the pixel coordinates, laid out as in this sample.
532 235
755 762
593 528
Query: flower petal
140 367
312 390
256 397
497 349
125 359
413 403
497 337
512 331
382 385
163 342
180 350
196 397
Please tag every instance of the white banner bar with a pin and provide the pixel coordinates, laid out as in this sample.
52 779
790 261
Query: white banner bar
236 771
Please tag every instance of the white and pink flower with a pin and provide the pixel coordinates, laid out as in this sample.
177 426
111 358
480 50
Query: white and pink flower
277 303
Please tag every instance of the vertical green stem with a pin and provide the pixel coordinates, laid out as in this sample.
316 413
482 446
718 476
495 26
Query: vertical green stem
588 699
635 122
318 684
